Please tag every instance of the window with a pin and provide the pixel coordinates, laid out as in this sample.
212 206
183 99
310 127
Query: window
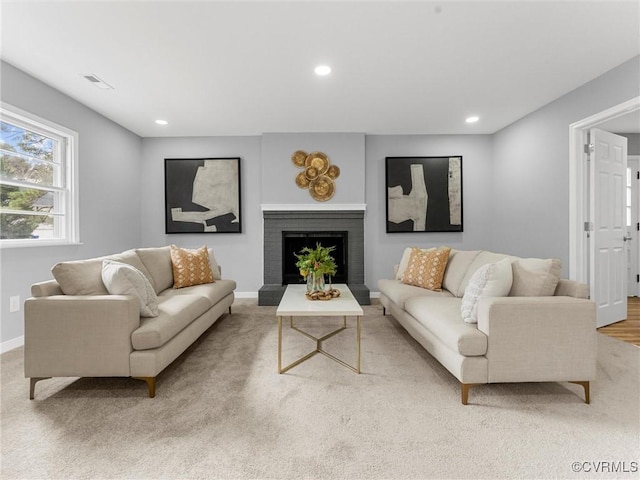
38 204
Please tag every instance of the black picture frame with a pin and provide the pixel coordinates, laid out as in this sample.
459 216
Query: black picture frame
423 194
202 195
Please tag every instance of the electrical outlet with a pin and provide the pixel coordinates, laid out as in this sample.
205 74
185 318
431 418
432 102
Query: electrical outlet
14 303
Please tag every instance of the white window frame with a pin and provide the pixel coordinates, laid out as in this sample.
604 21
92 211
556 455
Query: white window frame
68 190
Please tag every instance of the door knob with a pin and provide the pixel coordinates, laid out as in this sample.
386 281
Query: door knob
626 239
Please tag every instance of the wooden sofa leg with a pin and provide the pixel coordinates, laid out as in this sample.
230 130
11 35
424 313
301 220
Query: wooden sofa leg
585 385
32 385
151 385
384 311
464 391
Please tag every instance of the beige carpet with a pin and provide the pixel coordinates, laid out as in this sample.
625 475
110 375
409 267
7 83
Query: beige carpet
222 411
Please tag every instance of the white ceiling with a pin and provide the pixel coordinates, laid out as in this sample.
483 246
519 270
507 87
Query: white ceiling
245 68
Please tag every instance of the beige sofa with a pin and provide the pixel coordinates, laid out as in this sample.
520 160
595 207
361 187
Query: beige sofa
74 328
517 338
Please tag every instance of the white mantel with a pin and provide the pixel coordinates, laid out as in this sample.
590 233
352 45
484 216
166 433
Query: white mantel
297 207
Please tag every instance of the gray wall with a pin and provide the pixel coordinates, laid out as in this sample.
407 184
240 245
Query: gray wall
515 185
346 150
239 254
633 143
530 187
109 183
383 250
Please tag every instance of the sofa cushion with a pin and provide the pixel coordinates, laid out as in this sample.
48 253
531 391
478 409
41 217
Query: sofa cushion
158 262
483 258
213 263
457 266
441 316
426 268
398 292
491 280
213 292
84 277
535 277
190 267
122 279
175 312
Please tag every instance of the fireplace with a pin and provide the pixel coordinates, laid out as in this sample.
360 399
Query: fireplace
311 226
293 242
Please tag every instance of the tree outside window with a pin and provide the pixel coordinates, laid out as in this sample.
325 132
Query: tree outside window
35 188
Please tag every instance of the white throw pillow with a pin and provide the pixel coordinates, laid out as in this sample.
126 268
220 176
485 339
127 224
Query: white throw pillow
123 279
491 280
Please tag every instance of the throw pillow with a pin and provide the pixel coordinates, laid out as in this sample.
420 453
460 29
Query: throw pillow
123 279
190 267
426 268
535 277
215 268
491 280
404 261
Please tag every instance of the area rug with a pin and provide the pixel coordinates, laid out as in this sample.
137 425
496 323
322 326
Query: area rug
222 411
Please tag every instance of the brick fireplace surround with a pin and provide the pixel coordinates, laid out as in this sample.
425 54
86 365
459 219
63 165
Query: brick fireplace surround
277 221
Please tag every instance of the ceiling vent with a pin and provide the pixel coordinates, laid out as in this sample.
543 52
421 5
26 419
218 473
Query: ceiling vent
98 82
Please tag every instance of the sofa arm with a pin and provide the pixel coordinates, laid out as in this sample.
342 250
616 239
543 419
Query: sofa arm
79 336
537 339
46 289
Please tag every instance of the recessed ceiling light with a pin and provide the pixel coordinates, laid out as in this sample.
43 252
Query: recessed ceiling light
162 122
322 70
473 119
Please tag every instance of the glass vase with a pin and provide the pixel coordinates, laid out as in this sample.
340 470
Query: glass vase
315 282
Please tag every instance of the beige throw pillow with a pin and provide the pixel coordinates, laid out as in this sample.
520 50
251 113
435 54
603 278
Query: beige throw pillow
535 277
190 267
426 268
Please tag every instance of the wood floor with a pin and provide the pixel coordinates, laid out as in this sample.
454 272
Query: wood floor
627 330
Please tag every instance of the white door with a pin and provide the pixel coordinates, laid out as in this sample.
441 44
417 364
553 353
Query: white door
608 272
633 227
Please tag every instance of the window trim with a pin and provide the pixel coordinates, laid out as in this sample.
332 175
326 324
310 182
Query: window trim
69 170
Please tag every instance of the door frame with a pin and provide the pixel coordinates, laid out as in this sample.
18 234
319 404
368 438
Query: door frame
633 287
579 186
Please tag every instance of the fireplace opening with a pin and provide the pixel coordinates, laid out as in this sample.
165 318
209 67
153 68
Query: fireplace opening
293 242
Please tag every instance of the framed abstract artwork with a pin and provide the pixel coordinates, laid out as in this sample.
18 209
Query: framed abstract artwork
424 194
202 195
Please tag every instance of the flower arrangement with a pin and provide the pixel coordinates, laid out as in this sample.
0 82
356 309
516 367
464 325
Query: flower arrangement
316 262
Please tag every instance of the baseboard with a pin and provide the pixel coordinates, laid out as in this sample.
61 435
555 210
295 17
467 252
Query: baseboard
246 294
11 344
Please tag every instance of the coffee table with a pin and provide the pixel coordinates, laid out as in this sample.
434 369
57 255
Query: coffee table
294 303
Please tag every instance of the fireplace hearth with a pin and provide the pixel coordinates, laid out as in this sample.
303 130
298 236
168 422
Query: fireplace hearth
288 231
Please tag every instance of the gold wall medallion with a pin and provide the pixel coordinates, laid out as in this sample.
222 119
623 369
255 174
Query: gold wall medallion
298 158
302 181
322 188
318 175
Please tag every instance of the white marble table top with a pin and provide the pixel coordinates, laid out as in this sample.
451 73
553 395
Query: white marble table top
295 303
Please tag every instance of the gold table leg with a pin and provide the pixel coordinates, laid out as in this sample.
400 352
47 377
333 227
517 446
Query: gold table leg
319 341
